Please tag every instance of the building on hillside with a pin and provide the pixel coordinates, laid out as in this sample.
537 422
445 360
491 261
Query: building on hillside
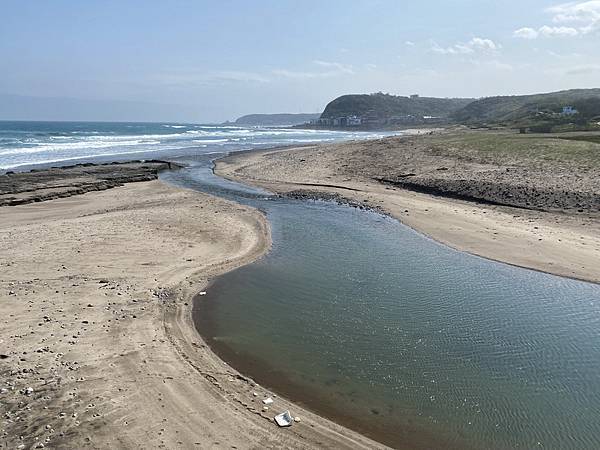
569 111
371 118
353 121
324 122
414 96
403 119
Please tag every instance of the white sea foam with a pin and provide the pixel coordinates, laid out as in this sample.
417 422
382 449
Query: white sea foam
28 147
50 148
49 161
213 141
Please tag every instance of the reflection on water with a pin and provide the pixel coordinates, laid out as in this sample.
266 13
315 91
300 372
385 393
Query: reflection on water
405 339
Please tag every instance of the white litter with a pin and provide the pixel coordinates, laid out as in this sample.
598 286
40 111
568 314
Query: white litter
203 293
268 401
284 419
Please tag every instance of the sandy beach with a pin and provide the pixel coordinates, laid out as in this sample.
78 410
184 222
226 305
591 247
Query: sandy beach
98 347
551 222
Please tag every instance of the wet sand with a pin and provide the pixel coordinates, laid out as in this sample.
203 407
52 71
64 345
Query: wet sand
562 240
98 346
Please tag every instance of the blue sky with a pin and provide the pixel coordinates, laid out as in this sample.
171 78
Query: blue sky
215 60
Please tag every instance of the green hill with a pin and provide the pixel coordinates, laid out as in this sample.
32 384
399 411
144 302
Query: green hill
530 109
384 106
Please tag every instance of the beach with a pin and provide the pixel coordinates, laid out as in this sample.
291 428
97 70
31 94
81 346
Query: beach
499 196
102 264
98 345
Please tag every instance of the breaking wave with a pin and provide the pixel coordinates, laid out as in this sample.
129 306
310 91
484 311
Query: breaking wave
32 143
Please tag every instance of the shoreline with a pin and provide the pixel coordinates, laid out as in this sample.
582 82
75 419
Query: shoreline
547 242
136 353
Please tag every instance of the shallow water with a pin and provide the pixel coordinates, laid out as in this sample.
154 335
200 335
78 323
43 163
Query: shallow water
409 341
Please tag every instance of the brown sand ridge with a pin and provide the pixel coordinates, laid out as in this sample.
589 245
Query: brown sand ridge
97 344
531 201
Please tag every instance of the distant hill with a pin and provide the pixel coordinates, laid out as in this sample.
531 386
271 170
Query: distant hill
276 119
525 109
384 106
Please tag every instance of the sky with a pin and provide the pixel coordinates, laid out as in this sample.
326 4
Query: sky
210 61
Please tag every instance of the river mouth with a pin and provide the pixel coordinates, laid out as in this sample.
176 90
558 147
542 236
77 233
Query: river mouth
412 343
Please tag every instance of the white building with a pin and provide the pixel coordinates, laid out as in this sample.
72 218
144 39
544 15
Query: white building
353 121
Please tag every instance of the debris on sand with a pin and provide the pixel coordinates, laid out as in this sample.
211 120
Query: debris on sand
284 419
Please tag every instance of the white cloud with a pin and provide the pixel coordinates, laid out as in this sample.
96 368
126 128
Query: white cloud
297 74
547 31
526 33
483 44
572 19
476 44
409 43
333 69
336 66
582 12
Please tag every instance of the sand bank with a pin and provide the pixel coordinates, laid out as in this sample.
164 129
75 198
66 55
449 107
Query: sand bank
97 344
564 242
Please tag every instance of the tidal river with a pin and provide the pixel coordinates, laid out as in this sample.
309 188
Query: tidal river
366 321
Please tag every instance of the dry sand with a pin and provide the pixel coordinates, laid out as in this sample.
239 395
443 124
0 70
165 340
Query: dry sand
566 244
97 344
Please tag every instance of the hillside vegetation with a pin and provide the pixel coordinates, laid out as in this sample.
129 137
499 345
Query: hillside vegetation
531 110
384 106
536 113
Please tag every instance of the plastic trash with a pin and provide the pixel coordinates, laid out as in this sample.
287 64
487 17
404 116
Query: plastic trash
268 401
284 419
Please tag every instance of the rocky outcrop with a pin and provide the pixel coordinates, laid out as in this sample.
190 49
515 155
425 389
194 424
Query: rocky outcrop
59 182
515 194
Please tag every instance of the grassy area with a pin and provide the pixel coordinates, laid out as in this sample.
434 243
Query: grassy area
589 138
515 149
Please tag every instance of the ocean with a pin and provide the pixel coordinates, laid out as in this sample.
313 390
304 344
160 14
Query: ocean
27 144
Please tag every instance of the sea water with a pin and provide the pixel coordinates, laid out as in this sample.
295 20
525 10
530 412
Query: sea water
27 144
